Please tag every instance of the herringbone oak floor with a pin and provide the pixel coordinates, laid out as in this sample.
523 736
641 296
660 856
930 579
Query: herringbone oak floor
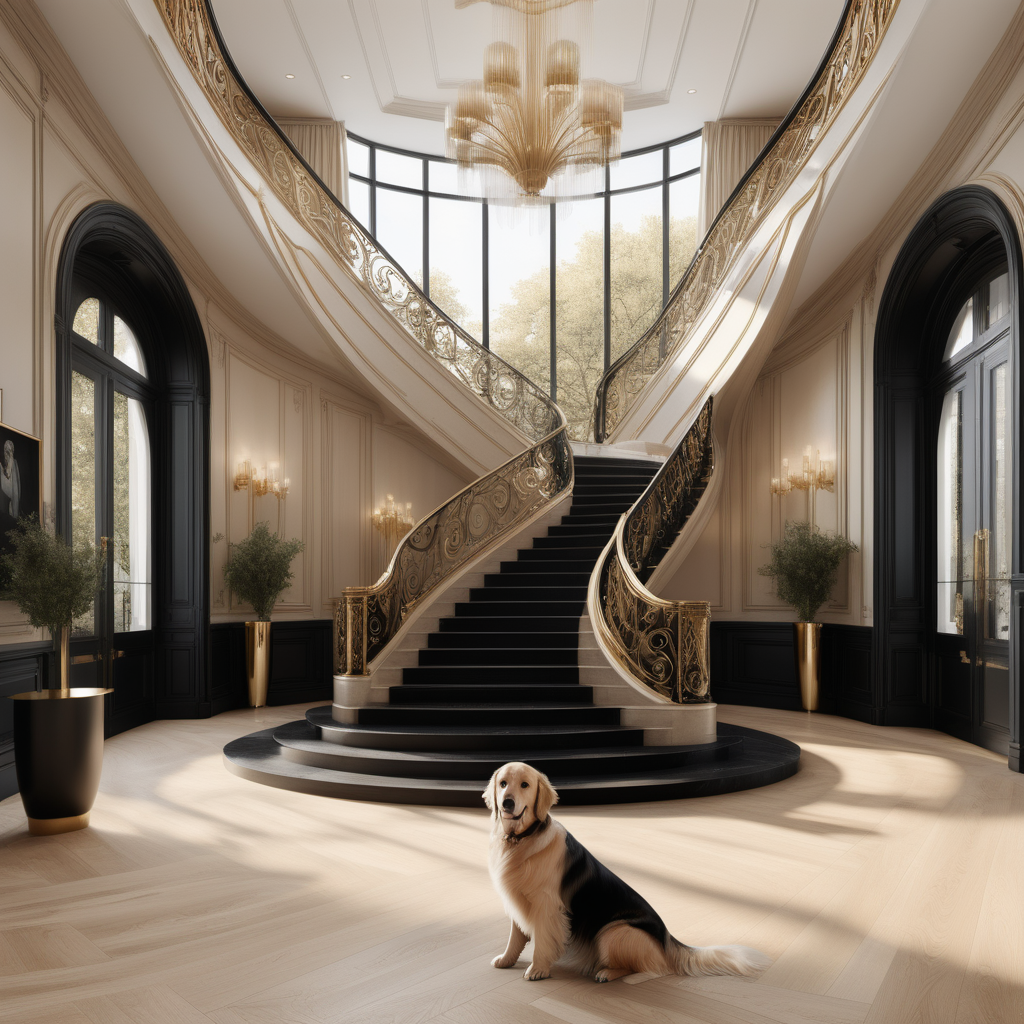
886 879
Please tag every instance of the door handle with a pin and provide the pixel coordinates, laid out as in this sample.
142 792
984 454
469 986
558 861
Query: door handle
964 658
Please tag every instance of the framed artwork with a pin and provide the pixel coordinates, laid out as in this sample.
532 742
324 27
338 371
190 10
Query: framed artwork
20 480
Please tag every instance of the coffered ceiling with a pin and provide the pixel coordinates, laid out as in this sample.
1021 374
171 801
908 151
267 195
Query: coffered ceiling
681 62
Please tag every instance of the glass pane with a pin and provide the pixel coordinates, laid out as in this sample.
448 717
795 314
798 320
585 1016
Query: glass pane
83 475
998 299
132 515
683 200
520 294
399 170
950 515
637 170
87 321
444 177
636 266
126 347
359 201
1001 510
962 333
456 261
358 157
400 229
684 157
579 312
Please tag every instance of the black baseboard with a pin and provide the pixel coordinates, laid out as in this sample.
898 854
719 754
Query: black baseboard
300 664
752 663
22 667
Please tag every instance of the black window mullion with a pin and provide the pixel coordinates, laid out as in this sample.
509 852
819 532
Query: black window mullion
485 276
552 316
373 191
607 269
665 212
426 231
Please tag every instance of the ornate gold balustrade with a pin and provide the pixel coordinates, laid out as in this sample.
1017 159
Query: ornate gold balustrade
853 46
366 619
662 644
513 395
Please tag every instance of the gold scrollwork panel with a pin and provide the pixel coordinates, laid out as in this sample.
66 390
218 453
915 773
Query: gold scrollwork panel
662 644
368 618
864 25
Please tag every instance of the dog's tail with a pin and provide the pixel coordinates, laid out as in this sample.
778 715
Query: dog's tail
717 959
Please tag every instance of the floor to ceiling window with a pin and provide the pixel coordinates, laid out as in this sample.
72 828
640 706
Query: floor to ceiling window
560 297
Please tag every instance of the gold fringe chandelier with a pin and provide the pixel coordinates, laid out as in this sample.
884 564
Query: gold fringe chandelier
533 128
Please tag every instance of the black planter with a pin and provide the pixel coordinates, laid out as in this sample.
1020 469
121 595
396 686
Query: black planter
58 754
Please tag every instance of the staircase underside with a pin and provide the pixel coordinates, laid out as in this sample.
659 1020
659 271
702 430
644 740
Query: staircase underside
294 757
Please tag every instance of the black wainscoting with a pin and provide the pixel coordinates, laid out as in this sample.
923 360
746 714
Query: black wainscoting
752 663
300 664
23 667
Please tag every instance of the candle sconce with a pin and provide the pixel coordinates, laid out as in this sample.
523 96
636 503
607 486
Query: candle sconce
393 522
816 475
261 482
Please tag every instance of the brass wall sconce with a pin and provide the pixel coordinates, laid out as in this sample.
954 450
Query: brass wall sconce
261 482
392 522
815 474
820 477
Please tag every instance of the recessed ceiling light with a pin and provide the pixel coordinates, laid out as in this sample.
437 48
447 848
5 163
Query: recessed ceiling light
346 77
690 92
289 76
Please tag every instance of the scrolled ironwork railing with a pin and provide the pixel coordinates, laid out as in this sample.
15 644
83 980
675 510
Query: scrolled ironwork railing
366 619
661 644
857 36
499 384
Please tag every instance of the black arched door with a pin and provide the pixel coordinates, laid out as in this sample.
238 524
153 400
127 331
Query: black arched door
132 389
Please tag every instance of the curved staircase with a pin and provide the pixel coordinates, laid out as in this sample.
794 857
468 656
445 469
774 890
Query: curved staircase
500 681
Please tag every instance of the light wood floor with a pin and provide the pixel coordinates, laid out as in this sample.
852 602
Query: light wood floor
886 879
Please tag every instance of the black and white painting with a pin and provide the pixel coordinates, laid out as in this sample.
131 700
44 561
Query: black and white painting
19 480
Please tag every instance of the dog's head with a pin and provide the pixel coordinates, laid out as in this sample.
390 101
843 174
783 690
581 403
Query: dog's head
517 796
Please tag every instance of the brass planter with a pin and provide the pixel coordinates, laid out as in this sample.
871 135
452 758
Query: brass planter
807 647
257 661
58 755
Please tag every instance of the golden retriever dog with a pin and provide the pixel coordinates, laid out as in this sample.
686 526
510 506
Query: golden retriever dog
579 914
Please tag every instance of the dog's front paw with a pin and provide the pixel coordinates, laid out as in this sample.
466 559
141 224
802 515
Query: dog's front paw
536 973
504 961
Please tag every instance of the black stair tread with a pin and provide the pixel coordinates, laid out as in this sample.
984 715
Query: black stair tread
259 757
482 730
298 734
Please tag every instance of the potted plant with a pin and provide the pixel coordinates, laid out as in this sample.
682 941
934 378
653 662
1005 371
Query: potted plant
258 569
804 568
58 733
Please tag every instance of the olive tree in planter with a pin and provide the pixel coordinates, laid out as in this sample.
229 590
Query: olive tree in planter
58 733
258 569
804 569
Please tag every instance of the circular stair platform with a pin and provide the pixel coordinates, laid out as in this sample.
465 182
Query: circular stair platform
296 756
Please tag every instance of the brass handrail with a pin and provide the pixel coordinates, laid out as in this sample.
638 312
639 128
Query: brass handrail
367 619
662 644
860 30
499 384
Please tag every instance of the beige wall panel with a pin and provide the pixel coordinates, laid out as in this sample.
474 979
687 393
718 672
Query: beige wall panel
345 458
296 509
17 262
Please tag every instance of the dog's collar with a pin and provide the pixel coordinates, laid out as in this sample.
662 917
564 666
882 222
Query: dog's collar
538 826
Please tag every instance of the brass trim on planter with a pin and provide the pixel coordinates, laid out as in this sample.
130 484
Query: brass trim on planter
57 826
662 644
865 23
807 653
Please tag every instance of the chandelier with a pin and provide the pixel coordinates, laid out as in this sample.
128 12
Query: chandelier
533 125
